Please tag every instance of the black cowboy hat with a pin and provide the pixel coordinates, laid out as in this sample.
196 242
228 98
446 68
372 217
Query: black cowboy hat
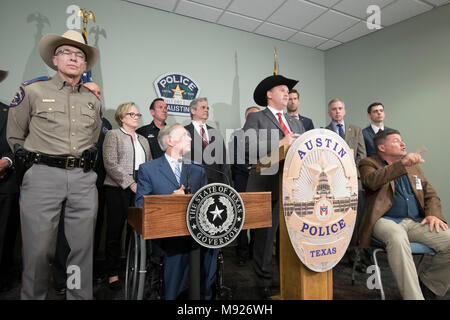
259 95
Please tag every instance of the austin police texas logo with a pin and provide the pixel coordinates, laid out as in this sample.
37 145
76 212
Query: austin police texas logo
320 198
177 90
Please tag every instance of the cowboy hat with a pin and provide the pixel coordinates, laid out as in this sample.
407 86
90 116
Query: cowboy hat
259 95
50 42
3 75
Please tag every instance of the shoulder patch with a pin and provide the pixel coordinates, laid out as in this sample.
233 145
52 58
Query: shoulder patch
27 83
18 98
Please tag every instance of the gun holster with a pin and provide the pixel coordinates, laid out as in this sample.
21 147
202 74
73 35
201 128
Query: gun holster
90 157
23 160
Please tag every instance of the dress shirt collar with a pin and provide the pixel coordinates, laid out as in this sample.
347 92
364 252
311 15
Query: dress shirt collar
335 126
376 129
197 128
275 111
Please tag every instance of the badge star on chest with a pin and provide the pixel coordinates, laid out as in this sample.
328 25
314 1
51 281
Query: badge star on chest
216 213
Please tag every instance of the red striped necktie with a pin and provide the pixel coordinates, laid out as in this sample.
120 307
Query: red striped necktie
203 133
283 126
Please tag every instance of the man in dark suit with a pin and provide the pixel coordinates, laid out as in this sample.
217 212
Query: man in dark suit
402 206
375 112
166 175
266 131
158 110
292 110
207 146
9 201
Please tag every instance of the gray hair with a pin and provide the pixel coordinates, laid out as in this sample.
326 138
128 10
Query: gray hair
194 103
335 100
166 132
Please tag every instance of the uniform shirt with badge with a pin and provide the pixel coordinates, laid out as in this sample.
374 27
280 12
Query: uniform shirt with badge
50 116
151 132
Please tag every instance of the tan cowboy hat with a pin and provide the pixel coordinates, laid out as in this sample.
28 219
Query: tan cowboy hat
259 95
50 42
3 75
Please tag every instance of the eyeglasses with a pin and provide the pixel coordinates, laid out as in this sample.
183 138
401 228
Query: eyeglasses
134 115
68 53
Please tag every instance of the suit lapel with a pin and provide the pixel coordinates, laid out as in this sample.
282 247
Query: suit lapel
3 115
183 177
348 133
166 170
272 118
380 164
295 124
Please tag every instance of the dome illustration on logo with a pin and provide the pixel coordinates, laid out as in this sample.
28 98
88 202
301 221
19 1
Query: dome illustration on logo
320 198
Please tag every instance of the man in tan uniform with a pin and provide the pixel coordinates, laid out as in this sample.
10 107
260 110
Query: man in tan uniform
402 207
54 124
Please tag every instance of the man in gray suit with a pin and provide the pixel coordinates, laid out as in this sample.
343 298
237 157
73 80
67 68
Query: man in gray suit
350 133
266 131
354 137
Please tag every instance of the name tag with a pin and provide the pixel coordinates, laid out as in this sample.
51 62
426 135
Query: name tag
48 100
418 183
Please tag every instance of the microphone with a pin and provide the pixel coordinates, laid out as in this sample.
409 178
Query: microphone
189 161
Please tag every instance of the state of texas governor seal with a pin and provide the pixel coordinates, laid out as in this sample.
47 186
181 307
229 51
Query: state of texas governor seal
215 215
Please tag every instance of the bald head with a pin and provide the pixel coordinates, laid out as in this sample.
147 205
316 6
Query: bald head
94 88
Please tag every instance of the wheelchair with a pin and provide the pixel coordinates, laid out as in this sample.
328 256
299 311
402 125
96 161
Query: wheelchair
141 272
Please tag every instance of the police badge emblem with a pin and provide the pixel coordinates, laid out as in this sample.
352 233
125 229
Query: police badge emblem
215 215
320 198
177 90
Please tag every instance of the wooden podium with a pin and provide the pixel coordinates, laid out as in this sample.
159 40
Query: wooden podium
165 216
297 282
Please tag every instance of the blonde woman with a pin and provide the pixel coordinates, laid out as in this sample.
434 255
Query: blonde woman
123 152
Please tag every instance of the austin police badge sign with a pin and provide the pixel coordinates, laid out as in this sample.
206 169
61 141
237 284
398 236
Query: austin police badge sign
320 198
177 90
215 215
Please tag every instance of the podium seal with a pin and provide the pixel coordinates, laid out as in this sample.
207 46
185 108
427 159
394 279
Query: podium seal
215 215
320 198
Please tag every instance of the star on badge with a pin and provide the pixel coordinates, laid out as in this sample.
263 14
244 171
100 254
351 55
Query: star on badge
216 213
177 92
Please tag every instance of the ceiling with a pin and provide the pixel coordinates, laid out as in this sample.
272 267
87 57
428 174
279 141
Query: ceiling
320 24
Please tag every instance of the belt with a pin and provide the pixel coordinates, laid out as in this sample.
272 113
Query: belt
64 162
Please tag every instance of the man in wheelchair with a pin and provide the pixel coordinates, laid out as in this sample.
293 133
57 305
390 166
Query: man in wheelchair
168 175
402 207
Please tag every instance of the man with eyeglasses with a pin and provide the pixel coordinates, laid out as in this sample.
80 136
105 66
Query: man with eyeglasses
53 127
158 110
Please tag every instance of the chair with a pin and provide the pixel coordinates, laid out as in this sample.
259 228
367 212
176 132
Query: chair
377 246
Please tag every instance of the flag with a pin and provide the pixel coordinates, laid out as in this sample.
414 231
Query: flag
87 76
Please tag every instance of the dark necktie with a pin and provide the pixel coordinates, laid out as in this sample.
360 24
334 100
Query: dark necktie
341 131
203 133
283 126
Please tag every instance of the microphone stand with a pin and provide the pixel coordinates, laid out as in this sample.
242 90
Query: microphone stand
194 254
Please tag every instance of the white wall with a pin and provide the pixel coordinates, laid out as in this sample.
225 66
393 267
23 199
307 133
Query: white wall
139 44
407 68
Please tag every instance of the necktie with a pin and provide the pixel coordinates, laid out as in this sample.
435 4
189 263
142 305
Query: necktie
177 170
341 131
283 126
203 133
